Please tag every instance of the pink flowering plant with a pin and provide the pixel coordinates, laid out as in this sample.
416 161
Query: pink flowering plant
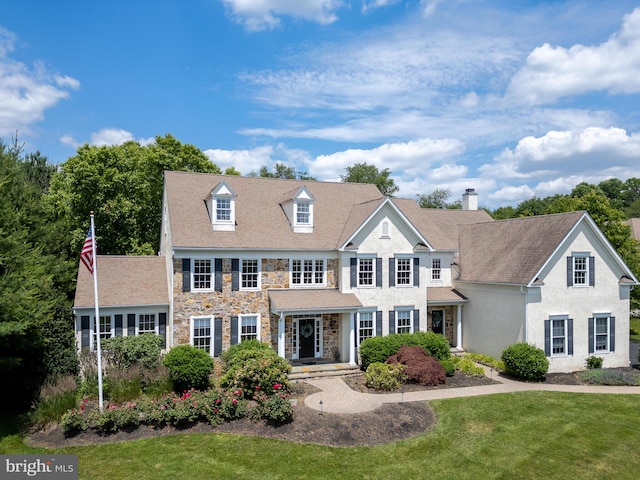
262 368
116 417
76 420
224 406
274 408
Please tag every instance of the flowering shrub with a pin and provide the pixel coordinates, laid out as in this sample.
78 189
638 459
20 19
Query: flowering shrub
117 417
75 421
275 409
253 368
224 406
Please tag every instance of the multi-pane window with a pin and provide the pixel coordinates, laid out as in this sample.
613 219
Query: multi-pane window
558 336
201 274
403 271
365 326
248 327
580 270
105 327
365 272
147 323
307 272
601 334
250 274
436 269
202 333
303 212
223 209
403 321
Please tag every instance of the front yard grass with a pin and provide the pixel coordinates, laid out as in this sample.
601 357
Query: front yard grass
634 330
526 435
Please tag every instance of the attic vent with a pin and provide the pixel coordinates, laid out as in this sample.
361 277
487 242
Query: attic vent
384 229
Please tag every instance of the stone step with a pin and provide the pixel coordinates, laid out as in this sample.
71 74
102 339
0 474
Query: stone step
304 371
320 374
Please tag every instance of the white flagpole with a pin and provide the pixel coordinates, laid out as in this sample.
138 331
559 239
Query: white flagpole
95 295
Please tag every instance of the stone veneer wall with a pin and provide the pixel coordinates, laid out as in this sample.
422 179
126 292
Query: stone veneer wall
226 304
330 336
449 323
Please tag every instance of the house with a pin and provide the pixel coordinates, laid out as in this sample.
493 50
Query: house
314 268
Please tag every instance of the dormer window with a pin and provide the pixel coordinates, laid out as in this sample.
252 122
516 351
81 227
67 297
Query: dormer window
222 207
298 207
303 212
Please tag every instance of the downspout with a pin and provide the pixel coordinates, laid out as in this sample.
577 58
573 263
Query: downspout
526 312
281 340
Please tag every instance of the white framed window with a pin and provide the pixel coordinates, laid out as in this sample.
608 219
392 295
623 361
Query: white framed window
403 321
307 272
223 209
602 333
106 327
366 272
580 270
146 323
201 333
404 271
250 274
366 326
249 327
436 269
303 212
558 336
201 274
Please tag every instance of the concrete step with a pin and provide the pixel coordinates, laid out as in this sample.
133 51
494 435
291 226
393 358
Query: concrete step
303 372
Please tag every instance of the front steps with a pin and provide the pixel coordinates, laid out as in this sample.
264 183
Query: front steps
301 371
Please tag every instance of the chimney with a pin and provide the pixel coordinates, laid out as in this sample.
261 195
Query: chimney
470 199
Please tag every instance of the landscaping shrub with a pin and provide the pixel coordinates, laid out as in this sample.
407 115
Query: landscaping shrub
227 356
189 367
383 376
525 361
418 366
123 385
487 360
156 382
75 421
378 349
594 362
252 370
449 367
55 398
467 367
610 377
139 350
116 417
275 409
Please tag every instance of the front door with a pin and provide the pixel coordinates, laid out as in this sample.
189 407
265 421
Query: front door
307 337
437 321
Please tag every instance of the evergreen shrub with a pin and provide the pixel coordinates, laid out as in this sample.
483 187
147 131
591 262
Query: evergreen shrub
384 376
525 361
378 349
189 367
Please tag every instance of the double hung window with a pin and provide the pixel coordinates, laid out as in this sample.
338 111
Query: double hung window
307 272
250 274
403 321
365 326
366 271
249 328
404 272
201 335
202 274
146 323
436 269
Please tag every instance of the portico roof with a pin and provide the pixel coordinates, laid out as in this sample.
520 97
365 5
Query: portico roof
444 296
317 300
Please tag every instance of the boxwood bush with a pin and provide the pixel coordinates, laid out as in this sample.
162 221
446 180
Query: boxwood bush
378 349
189 367
525 361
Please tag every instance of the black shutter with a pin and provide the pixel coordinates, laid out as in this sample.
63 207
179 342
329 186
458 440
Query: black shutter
591 336
84 331
379 323
353 262
392 322
131 324
547 338
217 336
235 274
392 272
378 272
118 325
416 320
416 272
570 336
592 271
186 274
234 330
569 271
162 328
217 274
612 334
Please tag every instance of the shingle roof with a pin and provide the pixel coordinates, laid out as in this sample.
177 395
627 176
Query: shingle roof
124 281
312 299
261 222
634 223
444 295
512 251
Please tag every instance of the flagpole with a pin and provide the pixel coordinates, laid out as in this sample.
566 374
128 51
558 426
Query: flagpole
95 295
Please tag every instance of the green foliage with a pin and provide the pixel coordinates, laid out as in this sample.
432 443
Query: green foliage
56 397
189 367
594 362
256 369
123 353
115 418
449 367
123 385
365 173
487 360
275 409
75 421
466 366
123 185
283 172
384 376
378 349
525 361
227 357
438 199
610 377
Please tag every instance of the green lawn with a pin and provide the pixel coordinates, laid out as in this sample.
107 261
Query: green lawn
634 329
512 436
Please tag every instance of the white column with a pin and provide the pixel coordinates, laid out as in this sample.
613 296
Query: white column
459 329
352 339
281 340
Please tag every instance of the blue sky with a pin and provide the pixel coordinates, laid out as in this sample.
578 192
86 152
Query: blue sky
514 99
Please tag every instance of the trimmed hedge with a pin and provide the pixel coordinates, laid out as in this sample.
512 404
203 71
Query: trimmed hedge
525 361
189 367
378 349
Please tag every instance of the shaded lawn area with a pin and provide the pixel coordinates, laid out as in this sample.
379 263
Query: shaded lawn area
634 330
525 435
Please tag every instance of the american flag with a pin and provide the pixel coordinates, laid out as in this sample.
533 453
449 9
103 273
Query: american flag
86 255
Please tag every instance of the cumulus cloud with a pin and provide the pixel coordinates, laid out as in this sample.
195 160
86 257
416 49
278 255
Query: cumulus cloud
373 4
250 160
257 15
116 136
554 72
26 93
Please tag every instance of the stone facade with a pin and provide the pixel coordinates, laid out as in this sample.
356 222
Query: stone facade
449 321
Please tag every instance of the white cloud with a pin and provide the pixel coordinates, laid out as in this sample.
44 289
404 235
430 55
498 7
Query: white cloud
512 194
116 136
257 15
25 94
69 141
373 4
554 72
250 160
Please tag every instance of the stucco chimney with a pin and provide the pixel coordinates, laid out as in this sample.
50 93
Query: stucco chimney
470 199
